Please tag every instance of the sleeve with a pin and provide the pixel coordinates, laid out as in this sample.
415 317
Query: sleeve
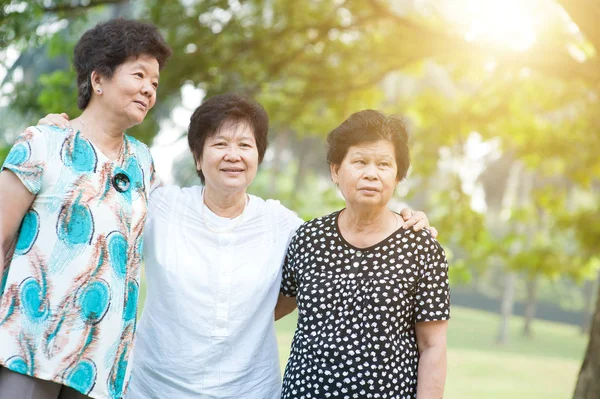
289 284
27 159
155 181
432 300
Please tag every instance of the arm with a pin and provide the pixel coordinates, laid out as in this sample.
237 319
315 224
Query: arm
431 375
285 306
15 200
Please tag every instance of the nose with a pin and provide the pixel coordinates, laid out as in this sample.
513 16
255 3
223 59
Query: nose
148 90
370 173
232 154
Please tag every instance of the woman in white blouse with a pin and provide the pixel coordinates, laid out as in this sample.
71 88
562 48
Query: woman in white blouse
213 257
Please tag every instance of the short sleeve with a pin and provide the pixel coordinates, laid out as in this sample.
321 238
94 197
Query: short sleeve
432 297
155 181
289 284
27 159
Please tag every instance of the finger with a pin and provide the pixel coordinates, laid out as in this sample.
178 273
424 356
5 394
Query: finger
59 120
409 223
433 231
420 225
64 115
406 213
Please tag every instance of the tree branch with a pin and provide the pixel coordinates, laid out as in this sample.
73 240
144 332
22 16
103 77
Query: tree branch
80 6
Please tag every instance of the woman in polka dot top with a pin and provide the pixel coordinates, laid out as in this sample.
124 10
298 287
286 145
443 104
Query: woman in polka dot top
373 298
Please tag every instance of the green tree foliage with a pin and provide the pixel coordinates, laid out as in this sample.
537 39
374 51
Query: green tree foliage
314 62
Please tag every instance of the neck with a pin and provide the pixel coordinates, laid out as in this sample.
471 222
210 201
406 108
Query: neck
365 219
225 204
105 131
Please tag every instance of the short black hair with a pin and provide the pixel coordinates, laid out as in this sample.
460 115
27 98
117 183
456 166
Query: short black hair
108 45
368 126
221 110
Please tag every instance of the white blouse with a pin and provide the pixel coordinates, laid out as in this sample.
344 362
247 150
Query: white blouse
207 328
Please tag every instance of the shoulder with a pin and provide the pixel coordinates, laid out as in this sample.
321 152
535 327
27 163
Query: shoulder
138 148
44 133
169 192
318 225
423 241
283 216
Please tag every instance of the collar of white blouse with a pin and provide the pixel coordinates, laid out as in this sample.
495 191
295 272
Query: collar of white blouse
237 221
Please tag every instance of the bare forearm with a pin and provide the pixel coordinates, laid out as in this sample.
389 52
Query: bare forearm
432 373
285 305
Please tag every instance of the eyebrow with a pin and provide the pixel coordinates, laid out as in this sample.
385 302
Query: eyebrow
141 66
362 154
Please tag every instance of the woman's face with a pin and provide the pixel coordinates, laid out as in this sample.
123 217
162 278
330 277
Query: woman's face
367 174
229 159
131 92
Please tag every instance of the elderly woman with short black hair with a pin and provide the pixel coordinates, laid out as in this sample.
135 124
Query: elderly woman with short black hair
73 206
373 298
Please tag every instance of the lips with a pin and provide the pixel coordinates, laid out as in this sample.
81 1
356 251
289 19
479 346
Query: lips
232 170
142 104
369 189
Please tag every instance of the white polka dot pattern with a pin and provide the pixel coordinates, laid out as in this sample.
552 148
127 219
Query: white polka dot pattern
357 311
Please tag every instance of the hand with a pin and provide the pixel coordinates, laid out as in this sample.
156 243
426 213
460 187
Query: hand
58 120
418 220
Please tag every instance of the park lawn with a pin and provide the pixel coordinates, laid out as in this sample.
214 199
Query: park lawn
544 367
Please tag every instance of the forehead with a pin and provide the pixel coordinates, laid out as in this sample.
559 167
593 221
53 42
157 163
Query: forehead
145 62
238 130
380 148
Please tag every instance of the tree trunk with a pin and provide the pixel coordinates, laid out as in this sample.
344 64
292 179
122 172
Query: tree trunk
530 306
588 383
506 309
300 177
279 147
588 301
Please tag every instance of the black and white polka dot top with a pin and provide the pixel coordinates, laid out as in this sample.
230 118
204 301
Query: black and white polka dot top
357 311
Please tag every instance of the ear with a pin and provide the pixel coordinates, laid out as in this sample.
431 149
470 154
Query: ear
97 82
198 164
333 170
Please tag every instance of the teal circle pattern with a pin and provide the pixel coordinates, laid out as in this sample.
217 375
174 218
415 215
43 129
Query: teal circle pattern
117 253
76 224
82 377
133 291
19 154
30 228
94 301
32 298
83 159
18 365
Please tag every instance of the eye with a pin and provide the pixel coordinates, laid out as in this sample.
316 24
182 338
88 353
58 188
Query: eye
384 164
220 144
155 85
360 162
245 145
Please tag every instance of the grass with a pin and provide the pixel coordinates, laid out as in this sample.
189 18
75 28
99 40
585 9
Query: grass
544 367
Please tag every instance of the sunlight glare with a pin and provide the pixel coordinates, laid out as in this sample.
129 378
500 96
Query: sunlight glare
506 23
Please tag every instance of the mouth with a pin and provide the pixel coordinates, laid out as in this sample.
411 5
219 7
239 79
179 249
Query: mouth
232 170
369 190
142 104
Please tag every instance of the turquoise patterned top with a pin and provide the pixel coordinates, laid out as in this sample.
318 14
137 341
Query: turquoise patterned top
69 296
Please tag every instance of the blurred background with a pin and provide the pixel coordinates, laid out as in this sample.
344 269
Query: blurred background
501 99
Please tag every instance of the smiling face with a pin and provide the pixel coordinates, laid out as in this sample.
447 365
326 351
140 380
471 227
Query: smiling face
229 159
367 176
131 92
